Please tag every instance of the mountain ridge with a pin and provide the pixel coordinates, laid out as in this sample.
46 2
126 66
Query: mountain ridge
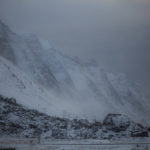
75 87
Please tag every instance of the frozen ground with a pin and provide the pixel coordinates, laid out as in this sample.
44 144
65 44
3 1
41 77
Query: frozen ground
81 147
49 144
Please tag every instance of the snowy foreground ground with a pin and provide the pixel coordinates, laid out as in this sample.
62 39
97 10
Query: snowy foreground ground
49 144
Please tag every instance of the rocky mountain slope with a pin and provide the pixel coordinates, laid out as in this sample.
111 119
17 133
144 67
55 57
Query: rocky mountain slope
18 121
14 83
72 86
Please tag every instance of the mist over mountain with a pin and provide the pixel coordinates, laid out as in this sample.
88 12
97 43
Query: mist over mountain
60 84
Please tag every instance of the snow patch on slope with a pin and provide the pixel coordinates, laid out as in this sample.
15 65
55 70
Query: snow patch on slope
14 83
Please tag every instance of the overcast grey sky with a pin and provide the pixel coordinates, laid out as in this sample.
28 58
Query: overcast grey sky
116 33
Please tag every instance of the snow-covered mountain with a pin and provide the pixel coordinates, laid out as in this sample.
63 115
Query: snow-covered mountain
14 83
73 87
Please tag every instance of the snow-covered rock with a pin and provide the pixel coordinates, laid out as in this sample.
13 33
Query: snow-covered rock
116 122
19 121
120 125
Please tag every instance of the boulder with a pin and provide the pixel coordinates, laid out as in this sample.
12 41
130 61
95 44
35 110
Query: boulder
142 133
137 130
116 122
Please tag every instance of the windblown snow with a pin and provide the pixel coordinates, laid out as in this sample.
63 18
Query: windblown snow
42 78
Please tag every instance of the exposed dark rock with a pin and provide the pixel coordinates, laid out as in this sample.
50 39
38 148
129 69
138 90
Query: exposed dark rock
59 133
116 122
78 124
143 133
20 121
137 130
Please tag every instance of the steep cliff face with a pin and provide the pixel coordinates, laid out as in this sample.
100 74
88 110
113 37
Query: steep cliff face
81 89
